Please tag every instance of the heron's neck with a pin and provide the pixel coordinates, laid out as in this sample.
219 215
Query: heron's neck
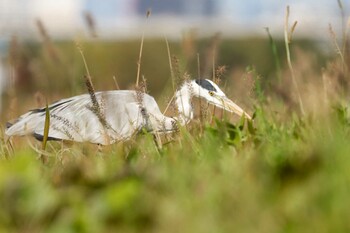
183 102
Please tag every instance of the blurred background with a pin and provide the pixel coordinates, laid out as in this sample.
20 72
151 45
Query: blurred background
287 172
39 41
116 19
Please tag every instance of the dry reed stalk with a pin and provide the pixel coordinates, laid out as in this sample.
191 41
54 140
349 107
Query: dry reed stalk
199 76
91 23
324 81
188 45
148 14
287 39
170 64
175 75
116 83
47 41
140 91
80 49
89 85
217 74
139 60
13 60
210 56
337 48
96 107
213 65
177 71
169 104
343 26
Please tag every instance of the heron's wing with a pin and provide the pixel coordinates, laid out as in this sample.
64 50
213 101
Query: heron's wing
75 119
70 119
62 120
120 115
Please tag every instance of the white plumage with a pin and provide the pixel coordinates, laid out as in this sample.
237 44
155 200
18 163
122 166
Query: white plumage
121 114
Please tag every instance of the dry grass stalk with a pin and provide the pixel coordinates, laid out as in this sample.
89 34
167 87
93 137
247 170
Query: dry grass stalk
47 41
210 56
95 108
80 49
148 13
98 108
198 66
343 26
219 72
88 82
287 38
139 60
39 98
171 103
292 29
21 74
188 45
13 60
91 90
186 77
177 72
90 22
140 91
116 83
170 64
178 80
337 47
13 51
140 53
325 89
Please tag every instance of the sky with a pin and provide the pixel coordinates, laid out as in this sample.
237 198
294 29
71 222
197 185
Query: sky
126 18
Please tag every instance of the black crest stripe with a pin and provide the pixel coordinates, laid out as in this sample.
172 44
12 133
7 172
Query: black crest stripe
205 84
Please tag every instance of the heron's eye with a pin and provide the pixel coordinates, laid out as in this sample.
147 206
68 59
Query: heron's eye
211 93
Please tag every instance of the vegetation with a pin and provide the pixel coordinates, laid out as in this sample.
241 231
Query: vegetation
285 171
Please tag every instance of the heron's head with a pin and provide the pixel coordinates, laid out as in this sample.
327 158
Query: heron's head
208 90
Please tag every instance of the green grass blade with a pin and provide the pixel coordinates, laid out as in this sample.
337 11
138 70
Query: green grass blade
274 49
47 127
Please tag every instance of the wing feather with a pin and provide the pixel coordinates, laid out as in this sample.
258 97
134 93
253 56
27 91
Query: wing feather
120 116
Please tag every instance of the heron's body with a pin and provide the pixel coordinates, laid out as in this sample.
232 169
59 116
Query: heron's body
121 114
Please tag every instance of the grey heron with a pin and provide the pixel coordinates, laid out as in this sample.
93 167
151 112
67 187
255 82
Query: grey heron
124 113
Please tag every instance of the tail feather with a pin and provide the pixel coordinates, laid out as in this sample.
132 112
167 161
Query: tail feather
40 137
25 124
8 125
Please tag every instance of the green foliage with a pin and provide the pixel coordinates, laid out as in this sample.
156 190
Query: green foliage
291 176
275 54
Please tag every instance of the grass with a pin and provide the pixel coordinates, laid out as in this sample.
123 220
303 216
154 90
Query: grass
284 172
290 176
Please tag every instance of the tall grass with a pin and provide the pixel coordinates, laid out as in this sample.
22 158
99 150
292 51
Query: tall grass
288 39
283 172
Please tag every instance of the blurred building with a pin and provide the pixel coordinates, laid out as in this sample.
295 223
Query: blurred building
193 8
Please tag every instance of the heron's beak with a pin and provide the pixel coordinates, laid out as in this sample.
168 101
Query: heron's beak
230 106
